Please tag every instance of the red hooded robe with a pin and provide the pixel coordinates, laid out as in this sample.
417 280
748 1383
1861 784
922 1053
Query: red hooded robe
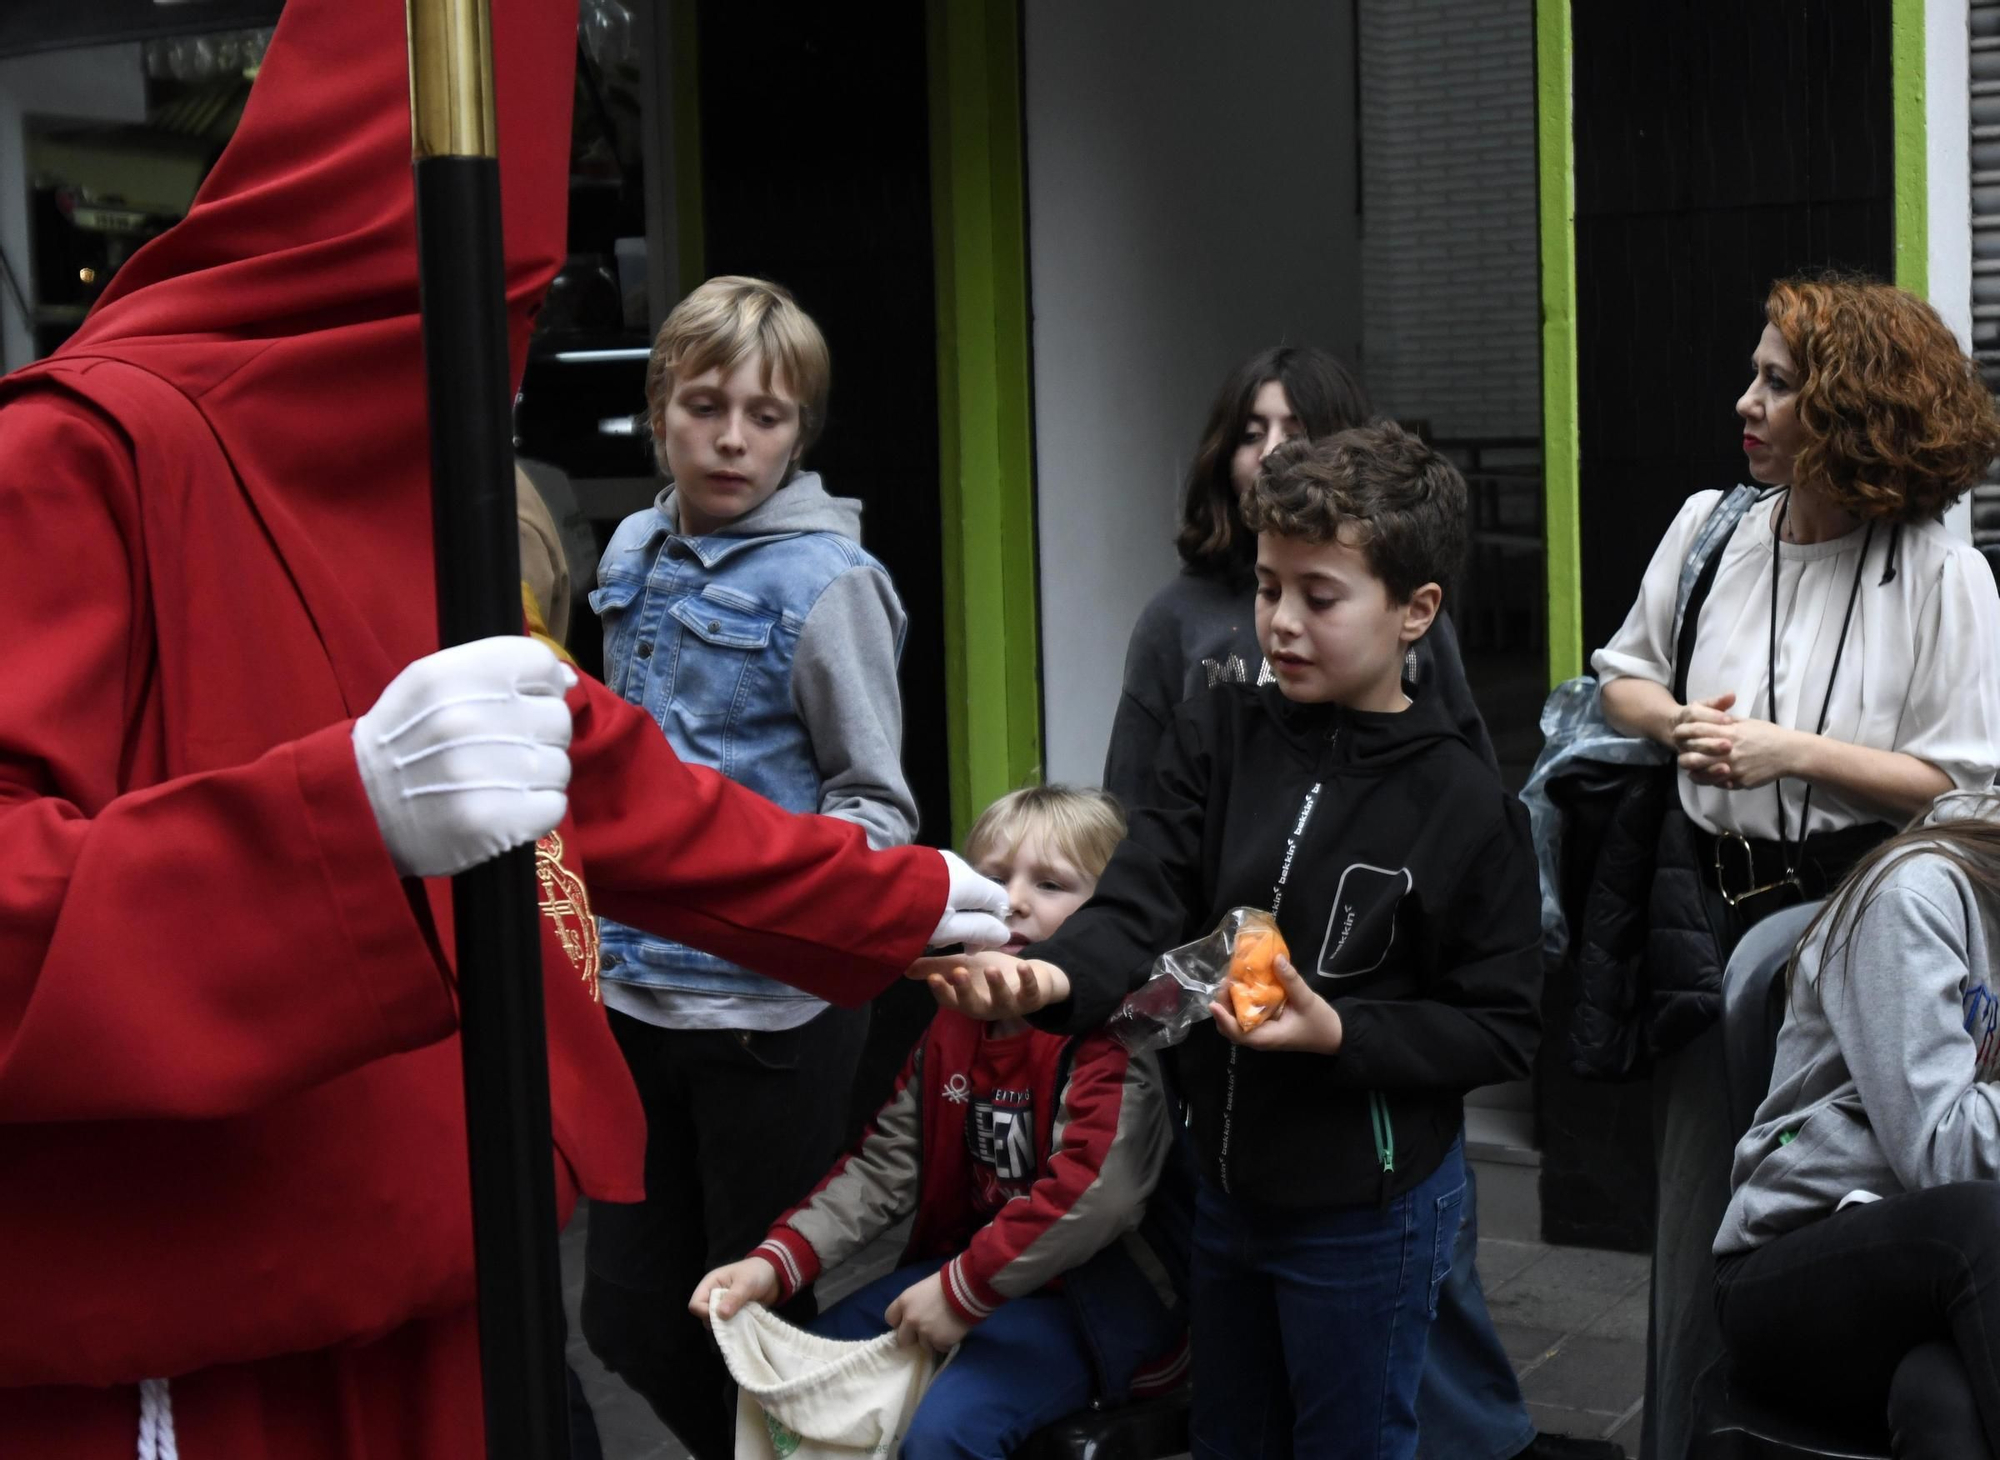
231 1126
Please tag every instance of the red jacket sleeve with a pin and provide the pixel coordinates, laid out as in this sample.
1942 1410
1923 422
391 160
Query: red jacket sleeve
1112 1136
682 851
199 947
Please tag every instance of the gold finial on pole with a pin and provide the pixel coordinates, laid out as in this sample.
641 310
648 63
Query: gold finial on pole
451 78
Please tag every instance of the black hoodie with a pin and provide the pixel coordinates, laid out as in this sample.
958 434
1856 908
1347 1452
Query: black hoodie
1410 904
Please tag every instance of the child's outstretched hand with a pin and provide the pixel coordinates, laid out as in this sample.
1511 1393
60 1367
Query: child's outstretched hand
753 1280
1305 1021
921 1312
992 985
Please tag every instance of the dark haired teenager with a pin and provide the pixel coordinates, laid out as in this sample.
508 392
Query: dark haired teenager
1198 632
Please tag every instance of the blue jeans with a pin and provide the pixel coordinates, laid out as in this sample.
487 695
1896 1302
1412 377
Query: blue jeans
1024 1367
1469 1407
1310 1325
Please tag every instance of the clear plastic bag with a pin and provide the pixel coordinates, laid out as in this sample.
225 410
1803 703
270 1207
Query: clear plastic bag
1187 979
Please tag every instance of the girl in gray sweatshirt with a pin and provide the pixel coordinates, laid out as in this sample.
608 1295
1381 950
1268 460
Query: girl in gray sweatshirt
1859 1261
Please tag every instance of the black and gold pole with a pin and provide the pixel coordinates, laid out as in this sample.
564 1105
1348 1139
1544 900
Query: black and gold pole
463 274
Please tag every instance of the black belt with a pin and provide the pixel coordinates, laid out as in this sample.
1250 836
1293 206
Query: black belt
1745 869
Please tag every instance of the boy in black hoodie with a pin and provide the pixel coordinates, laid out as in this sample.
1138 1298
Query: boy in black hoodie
1402 878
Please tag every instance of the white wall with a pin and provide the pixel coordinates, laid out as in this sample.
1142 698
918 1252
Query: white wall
1451 329
102 83
1948 181
1191 198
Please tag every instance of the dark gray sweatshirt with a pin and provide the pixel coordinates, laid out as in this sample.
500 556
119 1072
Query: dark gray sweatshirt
1883 1080
1198 632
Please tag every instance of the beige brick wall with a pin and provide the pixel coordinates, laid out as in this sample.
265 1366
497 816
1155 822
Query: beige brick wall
1450 298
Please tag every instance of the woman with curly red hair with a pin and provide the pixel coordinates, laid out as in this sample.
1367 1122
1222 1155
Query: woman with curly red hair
1841 675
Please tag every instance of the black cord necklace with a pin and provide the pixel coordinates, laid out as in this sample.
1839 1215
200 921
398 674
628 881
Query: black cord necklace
1785 844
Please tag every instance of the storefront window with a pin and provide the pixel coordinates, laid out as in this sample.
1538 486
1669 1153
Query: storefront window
585 381
99 190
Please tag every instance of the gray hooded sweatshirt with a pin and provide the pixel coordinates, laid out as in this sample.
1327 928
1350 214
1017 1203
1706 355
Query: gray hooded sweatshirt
1883 1080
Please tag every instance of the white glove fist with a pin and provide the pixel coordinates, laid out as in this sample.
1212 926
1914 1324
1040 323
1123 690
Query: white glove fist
975 912
466 754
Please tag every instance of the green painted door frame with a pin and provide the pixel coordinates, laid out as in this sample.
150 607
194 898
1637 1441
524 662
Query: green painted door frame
985 403
1555 159
1912 171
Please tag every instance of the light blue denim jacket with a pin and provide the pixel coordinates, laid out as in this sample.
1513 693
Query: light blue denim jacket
766 651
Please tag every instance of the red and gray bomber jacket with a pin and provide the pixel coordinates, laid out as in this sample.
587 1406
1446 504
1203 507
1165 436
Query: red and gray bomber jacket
1022 1156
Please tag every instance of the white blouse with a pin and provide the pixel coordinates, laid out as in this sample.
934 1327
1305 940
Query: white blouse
1920 673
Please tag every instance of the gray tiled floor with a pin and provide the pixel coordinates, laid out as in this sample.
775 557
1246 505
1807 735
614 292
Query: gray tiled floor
1572 1319
625 1424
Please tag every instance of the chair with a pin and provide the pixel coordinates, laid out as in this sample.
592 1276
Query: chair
1144 1429
1732 1420
1753 1008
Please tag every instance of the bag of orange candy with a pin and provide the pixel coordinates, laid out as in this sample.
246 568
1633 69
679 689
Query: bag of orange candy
1240 956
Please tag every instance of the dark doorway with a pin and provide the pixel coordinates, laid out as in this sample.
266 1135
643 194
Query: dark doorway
815 149
1719 146
815 145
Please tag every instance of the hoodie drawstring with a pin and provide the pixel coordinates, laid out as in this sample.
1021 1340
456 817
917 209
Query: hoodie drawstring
156 1421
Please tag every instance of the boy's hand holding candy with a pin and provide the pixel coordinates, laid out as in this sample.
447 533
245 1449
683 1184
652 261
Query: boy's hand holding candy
1304 1021
992 985
1255 993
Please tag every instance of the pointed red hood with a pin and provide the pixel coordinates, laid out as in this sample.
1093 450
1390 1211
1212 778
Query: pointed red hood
285 306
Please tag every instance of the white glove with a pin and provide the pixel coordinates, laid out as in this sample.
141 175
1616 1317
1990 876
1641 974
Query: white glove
975 910
466 754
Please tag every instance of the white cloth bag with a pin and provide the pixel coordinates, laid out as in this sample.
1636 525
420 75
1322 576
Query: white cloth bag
803 1397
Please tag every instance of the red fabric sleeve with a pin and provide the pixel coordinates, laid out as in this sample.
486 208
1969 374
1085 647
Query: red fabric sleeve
681 851
200 947
792 1257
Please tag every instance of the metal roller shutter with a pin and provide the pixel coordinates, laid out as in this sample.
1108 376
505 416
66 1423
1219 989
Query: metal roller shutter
1984 18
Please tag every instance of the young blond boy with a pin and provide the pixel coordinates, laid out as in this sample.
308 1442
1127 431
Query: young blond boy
1026 1158
742 612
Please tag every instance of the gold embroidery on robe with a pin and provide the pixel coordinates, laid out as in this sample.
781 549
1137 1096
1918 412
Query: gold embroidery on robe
566 903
